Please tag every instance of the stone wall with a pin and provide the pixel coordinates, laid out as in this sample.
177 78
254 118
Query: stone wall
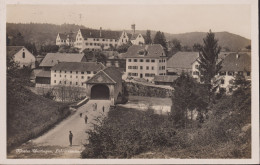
137 89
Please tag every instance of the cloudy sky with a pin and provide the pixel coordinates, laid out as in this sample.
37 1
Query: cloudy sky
167 18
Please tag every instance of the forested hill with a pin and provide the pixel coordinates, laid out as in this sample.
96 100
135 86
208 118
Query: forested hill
40 33
46 34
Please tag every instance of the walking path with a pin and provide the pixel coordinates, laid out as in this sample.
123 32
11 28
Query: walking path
55 142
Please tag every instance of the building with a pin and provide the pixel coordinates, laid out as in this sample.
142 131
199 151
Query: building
184 62
74 73
145 61
106 84
165 79
21 55
134 38
96 39
65 39
232 65
43 78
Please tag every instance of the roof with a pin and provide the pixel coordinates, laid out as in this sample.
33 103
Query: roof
52 59
182 60
78 66
152 51
134 36
234 64
165 78
92 33
44 74
62 36
12 50
109 75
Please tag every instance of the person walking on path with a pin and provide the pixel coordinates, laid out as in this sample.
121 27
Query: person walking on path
103 108
86 119
70 138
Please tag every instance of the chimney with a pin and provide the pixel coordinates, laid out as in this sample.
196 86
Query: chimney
100 32
133 28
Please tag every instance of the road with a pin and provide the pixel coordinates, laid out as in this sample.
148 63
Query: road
55 142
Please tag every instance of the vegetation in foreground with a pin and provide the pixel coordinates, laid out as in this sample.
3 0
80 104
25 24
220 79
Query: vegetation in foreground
28 115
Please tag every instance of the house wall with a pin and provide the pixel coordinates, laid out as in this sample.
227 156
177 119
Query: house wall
147 69
139 40
70 79
123 39
26 60
60 42
195 70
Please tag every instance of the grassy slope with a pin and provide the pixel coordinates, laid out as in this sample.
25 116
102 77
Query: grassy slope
29 115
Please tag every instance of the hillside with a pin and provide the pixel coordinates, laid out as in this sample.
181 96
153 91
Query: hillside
46 34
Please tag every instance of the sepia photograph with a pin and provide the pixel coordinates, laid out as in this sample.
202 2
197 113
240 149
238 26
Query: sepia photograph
153 81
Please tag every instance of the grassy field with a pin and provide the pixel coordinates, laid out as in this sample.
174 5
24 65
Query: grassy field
30 115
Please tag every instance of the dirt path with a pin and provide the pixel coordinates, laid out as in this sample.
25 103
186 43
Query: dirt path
55 143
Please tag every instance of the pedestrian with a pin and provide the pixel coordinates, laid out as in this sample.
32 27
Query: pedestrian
80 114
93 106
86 119
70 138
103 108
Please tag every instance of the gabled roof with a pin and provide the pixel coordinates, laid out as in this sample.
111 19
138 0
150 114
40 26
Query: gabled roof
165 78
78 66
71 36
107 34
63 36
52 59
12 50
109 75
152 51
182 60
134 36
44 74
235 62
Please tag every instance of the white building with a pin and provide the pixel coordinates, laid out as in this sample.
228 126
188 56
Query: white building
145 61
65 39
232 65
21 55
74 73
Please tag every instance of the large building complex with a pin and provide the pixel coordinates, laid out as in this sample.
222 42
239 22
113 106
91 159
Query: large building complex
145 61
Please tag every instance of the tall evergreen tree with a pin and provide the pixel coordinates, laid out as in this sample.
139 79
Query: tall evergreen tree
208 60
148 39
159 38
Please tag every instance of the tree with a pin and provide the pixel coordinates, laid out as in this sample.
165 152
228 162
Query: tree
31 47
197 47
208 60
159 38
148 39
68 49
123 48
186 48
176 44
187 96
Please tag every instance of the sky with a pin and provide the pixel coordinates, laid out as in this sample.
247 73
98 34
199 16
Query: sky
171 18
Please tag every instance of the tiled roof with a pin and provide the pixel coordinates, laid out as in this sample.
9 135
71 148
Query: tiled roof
12 50
63 36
232 63
165 78
134 36
182 60
153 51
114 73
78 66
44 74
52 59
92 33
71 36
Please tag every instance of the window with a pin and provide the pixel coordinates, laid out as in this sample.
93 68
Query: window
197 66
86 43
60 71
76 72
135 67
103 39
240 73
152 60
64 75
55 81
70 71
90 44
222 81
60 75
222 73
111 40
129 67
82 72
70 76
147 60
129 60
94 39
54 75
76 83
94 44
88 72
141 67
60 82
55 71
94 72
70 83
82 77
76 76
230 73
196 73
97 39
23 54
147 67
141 60
65 71
248 73
88 77
152 68
135 60
64 82
129 74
